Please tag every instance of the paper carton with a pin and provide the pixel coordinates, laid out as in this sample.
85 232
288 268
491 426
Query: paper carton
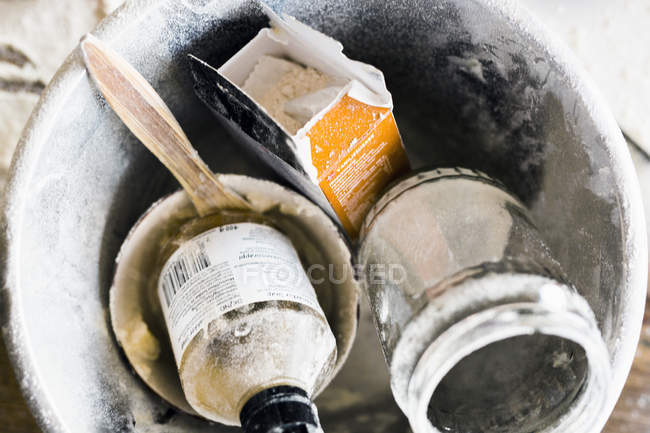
349 147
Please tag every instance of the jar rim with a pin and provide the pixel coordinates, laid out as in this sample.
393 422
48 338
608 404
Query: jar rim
506 321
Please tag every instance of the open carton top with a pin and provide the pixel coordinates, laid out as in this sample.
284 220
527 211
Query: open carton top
347 146
289 38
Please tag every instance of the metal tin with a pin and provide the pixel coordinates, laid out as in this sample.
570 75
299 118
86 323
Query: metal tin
476 83
133 292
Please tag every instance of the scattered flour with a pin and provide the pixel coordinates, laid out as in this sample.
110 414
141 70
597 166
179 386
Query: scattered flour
471 66
35 38
108 6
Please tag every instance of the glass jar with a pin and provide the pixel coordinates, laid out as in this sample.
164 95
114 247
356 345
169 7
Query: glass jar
481 330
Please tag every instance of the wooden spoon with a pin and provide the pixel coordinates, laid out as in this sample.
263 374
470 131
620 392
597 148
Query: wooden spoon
148 118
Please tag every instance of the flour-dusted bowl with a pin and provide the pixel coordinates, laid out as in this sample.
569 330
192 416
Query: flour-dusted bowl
476 83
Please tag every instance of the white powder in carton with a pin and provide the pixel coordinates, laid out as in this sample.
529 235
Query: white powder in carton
342 146
289 92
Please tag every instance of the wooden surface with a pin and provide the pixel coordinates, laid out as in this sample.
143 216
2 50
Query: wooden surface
14 415
632 415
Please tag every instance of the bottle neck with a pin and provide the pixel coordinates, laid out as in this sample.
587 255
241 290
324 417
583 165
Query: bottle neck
280 409
534 348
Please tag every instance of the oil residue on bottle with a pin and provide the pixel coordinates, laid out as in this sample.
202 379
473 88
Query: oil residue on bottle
248 334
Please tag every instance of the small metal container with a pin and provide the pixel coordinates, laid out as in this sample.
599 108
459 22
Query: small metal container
480 328
133 292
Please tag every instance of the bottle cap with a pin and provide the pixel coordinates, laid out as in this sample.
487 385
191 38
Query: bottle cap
281 409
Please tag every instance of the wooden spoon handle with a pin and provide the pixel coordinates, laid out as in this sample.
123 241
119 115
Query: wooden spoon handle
148 117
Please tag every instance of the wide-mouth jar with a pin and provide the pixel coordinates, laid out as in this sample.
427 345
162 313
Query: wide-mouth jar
481 329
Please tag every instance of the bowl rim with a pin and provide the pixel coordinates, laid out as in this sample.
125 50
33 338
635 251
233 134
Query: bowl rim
33 143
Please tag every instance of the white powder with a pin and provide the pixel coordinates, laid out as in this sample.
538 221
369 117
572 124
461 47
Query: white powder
108 6
289 92
282 345
471 66
35 38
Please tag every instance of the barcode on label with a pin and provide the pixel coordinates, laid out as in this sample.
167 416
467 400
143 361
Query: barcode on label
181 270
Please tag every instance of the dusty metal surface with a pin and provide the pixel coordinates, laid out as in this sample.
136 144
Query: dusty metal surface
475 84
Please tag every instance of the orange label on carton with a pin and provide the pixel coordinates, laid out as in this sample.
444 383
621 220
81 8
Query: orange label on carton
357 150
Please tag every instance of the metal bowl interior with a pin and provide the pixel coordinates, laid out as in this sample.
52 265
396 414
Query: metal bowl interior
475 84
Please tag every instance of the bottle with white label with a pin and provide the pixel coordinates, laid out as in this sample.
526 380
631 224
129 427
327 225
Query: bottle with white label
251 342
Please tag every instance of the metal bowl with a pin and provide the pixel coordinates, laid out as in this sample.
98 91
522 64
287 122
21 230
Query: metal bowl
476 83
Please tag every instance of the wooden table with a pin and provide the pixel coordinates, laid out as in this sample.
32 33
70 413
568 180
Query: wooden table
632 414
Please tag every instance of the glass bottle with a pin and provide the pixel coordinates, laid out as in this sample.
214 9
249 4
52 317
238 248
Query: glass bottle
251 342
481 330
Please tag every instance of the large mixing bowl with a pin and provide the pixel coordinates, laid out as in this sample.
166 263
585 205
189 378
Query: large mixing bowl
475 83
